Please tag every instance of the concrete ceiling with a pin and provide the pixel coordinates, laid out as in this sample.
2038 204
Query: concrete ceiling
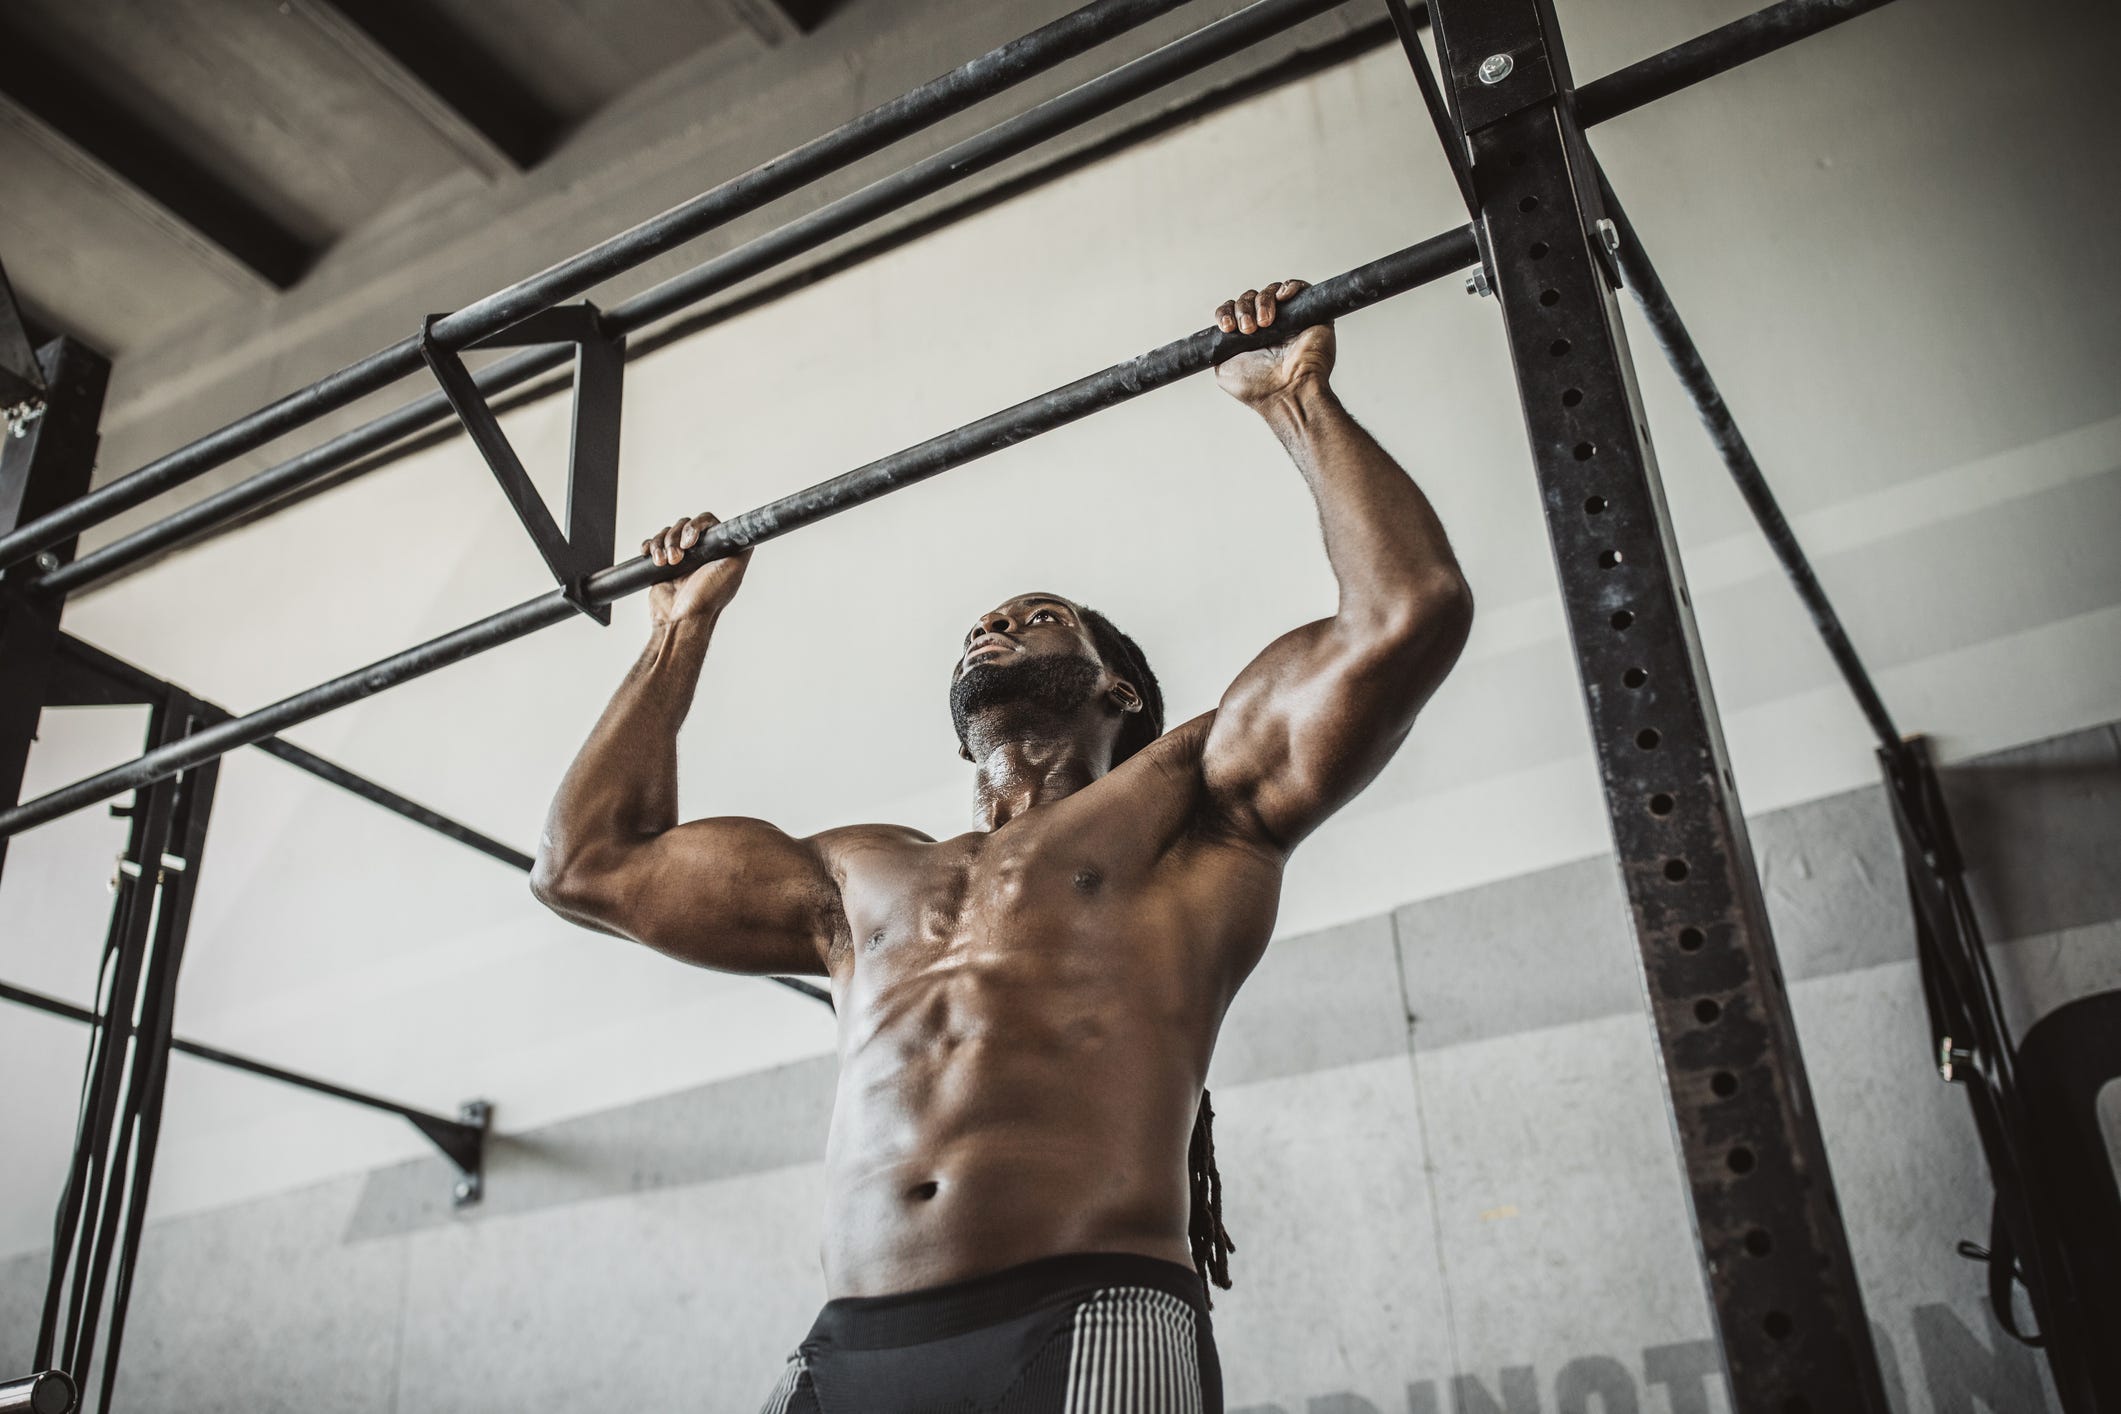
185 156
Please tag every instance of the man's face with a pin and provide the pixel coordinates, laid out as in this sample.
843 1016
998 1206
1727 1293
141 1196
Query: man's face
1032 650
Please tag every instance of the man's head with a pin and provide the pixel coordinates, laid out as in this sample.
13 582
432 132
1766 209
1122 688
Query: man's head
1039 660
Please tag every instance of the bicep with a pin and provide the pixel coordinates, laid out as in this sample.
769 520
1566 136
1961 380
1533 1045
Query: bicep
1315 717
731 893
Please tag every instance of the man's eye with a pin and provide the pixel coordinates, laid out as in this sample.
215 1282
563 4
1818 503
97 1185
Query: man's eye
1042 614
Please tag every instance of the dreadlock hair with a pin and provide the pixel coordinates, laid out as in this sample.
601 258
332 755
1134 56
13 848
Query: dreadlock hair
1124 656
1205 1232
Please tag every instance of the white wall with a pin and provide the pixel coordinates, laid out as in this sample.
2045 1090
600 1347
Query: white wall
1886 242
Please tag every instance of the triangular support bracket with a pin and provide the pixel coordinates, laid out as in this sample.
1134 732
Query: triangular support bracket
463 1142
589 541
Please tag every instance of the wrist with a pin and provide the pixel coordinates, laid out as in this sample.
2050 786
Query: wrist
683 631
1292 408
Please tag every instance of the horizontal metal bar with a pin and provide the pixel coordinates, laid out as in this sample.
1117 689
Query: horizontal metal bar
389 799
809 989
1343 294
48 1392
1693 374
1705 56
22 996
932 102
151 689
1619 92
1202 49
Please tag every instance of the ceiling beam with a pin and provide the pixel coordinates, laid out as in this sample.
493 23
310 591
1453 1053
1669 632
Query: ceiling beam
775 22
49 101
438 72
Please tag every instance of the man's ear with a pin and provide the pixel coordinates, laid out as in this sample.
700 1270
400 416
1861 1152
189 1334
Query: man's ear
1124 696
964 753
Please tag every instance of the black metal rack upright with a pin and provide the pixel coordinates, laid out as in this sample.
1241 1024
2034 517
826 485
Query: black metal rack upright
1547 239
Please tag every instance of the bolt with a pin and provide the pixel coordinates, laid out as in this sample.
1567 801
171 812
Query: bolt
1495 68
1609 234
21 415
465 1190
1477 284
1951 1057
46 562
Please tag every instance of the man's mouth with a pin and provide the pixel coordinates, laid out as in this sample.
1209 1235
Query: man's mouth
989 645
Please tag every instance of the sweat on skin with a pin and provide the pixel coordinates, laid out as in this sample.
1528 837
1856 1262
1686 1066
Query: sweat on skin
1026 1011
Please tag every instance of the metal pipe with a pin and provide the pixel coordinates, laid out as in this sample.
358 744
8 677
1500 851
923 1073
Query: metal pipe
1705 56
1407 25
939 98
151 688
1693 373
1619 92
217 515
389 799
38 1001
1343 294
1202 49
51 1392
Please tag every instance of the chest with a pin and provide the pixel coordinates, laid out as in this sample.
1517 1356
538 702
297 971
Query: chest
1032 886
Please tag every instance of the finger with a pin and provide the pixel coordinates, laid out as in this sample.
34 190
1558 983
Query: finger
672 551
1226 317
1248 312
1289 288
1266 305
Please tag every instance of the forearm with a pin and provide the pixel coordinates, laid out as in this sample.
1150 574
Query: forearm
1387 547
622 786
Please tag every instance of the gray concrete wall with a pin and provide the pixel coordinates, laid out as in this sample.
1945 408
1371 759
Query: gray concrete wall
1450 1175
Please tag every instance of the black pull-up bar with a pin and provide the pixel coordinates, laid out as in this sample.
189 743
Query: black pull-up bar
952 93
1712 53
1343 294
1107 93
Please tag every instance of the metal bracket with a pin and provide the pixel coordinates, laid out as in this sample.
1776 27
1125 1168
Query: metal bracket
22 385
590 539
463 1142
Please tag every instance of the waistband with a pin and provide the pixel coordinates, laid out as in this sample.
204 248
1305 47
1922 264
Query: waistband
939 1312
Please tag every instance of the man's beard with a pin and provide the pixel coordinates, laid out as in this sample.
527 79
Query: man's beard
1059 685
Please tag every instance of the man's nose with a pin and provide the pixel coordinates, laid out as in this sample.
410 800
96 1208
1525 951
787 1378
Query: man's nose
996 622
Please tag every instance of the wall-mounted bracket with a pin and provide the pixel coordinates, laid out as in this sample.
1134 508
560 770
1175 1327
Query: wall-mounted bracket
589 541
463 1142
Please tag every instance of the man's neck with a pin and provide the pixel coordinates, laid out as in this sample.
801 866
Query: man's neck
1023 772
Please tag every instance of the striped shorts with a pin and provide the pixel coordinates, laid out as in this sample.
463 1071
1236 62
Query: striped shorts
1086 1333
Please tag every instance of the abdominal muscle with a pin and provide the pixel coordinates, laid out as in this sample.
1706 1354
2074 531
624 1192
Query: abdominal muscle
991 1115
